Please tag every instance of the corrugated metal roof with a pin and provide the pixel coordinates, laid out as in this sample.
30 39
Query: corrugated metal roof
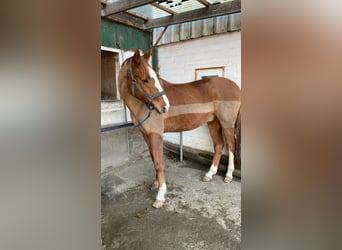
150 11
196 29
149 14
218 1
180 6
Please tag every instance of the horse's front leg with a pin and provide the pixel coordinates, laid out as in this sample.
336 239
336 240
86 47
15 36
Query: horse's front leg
156 149
155 184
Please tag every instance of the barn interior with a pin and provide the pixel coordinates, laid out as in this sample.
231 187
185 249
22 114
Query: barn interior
200 215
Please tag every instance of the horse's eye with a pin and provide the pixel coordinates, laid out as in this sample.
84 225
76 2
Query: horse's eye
145 81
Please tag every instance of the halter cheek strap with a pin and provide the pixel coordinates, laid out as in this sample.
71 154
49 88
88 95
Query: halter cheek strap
148 97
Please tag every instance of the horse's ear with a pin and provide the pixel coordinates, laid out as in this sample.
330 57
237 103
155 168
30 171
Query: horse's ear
136 56
148 53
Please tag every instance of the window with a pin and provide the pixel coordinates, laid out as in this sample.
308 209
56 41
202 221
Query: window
202 73
110 65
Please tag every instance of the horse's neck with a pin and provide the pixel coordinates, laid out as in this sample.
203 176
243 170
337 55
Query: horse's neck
164 83
134 104
139 112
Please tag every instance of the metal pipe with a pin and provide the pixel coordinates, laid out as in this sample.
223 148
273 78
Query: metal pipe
181 146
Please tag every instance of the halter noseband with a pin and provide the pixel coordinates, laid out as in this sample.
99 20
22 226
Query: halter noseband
148 97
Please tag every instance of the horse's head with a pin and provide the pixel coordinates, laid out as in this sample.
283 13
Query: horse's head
143 83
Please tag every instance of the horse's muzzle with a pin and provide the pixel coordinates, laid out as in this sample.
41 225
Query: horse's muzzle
166 108
163 110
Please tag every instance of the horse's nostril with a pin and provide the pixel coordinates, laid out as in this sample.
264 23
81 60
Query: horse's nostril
164 109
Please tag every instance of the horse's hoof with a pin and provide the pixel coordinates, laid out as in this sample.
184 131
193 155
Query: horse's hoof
158 204
227 179
206 178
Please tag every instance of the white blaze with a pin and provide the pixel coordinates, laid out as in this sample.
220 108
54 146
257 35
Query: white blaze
158 86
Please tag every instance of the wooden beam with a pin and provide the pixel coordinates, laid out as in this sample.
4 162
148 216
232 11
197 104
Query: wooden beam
164 8
126 18
123 5
204 2
136 15
198 14
160 36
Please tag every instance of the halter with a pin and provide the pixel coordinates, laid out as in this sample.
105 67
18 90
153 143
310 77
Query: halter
148 97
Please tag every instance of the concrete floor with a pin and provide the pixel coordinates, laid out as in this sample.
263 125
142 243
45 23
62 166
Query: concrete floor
197 215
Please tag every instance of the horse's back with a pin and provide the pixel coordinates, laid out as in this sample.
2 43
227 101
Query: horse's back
202 91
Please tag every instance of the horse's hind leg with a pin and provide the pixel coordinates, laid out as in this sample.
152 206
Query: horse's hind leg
230 140
215 130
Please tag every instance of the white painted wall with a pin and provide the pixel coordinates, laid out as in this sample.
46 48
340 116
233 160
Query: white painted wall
178 61
177 64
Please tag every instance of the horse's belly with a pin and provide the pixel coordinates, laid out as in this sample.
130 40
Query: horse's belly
184 122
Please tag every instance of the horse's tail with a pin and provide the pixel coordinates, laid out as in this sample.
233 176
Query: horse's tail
237 153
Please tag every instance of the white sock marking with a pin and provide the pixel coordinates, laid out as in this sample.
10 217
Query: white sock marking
161 192
231 166
158 86
212 171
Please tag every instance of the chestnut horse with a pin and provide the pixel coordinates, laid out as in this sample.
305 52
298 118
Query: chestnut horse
158 106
